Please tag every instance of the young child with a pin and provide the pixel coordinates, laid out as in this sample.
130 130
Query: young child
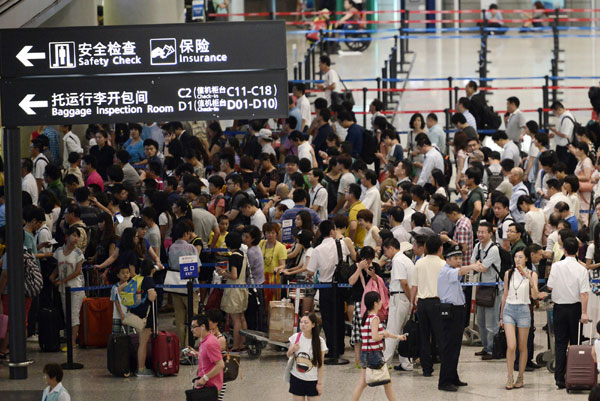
223 227
55 391
119 310
68 273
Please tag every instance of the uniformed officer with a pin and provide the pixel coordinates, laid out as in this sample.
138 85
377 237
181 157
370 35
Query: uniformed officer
452 313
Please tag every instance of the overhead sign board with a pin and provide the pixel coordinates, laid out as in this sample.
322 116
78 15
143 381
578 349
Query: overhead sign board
166 97
143 49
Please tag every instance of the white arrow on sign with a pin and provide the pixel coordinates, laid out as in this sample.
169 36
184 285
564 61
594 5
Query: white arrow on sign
24 56
27 104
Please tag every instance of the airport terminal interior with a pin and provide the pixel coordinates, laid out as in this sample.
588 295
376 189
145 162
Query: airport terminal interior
518 63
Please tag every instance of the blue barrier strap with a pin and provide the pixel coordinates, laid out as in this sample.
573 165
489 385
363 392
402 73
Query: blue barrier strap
358 39
98 287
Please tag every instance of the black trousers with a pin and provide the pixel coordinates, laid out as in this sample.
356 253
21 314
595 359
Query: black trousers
332 313
256 313
430 328
450 343
468 291
566 325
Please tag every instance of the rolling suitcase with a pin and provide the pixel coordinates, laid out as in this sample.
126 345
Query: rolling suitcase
165 349
118 358
95 322
165 353
581 373
50 320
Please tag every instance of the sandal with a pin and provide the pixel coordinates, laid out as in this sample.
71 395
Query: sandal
509 383
519 382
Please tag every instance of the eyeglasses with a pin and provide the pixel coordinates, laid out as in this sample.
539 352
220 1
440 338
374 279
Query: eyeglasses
194 326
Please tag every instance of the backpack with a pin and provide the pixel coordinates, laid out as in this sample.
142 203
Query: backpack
332 187
129 295
505 260
447 166
93 236
491 119
369 147
576 128
33 275
494 180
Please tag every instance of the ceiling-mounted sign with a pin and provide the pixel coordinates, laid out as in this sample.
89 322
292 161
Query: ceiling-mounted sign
256 94
143 49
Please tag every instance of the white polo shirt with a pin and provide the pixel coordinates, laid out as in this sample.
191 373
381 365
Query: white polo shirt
568 280
402 269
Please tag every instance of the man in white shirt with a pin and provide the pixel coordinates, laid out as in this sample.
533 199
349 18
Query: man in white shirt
330 76
556 195
515 120
305 150
302 103
502 213
433 159
509 149
570 288
249 209
405 203
400 307
39 164
71 143
324 260
563 136
396 217
463 107
344 163
516 178
425 301
28 183
372 197
318 194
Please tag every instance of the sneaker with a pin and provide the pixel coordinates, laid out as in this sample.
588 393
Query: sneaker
33 339
408 367
144 373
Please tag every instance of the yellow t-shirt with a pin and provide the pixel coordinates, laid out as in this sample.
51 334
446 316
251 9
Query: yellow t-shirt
220 242
273 257
360 232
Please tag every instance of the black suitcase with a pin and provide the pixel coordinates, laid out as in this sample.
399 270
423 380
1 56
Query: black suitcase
49 329
118 357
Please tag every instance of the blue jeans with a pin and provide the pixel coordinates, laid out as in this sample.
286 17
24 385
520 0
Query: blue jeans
487 320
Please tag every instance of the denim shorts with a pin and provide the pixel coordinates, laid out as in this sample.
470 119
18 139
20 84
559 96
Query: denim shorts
518 315
371 358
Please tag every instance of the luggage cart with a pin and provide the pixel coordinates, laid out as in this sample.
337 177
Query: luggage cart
548 357
256 341
471 333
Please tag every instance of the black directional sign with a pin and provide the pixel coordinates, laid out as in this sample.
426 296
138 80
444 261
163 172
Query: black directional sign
143 49
257 94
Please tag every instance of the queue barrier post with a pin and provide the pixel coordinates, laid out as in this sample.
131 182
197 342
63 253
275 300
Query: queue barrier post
312 58
402 46
483 51
447 129
364 90
190 311
450 92
307 66
456 90
70 365
384 76
378 88
545 103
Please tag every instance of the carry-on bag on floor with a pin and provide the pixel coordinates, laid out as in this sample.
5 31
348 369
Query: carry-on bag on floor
165 349
118 358
49 319
581 373
202 394
95 322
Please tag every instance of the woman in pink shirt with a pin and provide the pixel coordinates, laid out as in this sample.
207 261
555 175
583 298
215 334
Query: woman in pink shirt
88 167
210 359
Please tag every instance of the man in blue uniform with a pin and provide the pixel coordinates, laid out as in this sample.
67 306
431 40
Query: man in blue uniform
452 313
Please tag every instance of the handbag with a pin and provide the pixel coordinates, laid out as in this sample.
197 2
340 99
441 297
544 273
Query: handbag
290 363
133 320
202 394
232 368
499 347
174 278
235 300
343 271
337 98
486 296
378 376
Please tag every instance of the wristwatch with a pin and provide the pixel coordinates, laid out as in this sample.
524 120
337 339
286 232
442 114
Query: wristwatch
206 378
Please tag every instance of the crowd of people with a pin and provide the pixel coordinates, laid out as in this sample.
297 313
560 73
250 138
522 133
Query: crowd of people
293 200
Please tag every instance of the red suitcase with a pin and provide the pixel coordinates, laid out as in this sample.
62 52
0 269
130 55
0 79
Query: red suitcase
165 353
581 373
95 322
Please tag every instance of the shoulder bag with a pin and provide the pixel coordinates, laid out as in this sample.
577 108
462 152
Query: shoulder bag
290 363
337 98
235 300
486 294
232 367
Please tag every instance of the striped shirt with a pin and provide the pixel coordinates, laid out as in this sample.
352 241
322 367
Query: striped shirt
368 344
